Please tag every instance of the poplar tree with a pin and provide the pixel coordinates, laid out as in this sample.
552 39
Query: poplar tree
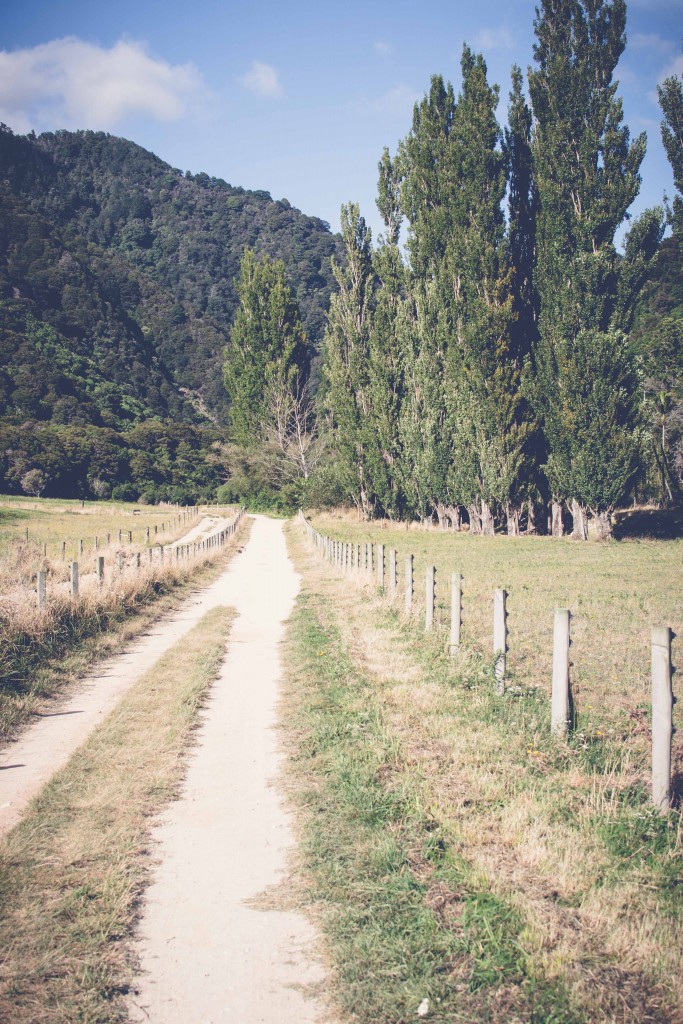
671 101
386 349
345 378
455 182
586 171
266 352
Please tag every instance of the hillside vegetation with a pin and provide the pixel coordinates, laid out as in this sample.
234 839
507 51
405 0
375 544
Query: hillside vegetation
117 291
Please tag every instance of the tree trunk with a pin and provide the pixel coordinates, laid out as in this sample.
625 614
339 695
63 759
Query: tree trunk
580 527
487 526
453 513
556 525
603 526
475 519
441 515
531 518
512 515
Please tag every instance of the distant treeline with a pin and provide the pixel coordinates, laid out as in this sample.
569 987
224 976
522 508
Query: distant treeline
151 462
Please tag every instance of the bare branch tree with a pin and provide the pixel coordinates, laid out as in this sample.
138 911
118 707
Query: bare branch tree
290 431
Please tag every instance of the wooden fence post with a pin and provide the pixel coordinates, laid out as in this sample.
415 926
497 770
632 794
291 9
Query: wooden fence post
560 708
662 717
64 551
42 590
500 639
430 597
409 585
100 569
392 573
80 547
380 565
456 613
74 579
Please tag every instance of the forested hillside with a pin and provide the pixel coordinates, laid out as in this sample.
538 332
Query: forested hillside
117 292
103 240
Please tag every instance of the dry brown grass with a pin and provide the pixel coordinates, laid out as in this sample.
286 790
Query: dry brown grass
40 649
72 872
558 832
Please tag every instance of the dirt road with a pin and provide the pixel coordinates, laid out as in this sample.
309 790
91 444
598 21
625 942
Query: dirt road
40 751
209 954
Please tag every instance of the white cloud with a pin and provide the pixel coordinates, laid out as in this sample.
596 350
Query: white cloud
674 67
263 80
494 39
69 83
381 48
397 101
651 41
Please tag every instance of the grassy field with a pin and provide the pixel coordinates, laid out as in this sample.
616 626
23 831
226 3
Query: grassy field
72 872
616 593
455 852
49 522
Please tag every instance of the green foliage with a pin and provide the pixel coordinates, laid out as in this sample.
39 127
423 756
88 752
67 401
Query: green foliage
671 101
587 175
152 461
134 264
345 360
267 352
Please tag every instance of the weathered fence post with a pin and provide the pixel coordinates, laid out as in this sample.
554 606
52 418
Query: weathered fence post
409 585
64 551
119 536
121 562
456 612
380 565
42 589
74 579
430 597
500 639
130 536
392 573
80 547
96 544
662 717
560 705
147 535
108 539
138 559
100 569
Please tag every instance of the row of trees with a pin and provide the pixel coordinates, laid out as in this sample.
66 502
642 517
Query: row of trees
491 371
485 370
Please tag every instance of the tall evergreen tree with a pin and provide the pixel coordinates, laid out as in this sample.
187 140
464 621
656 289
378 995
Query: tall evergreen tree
267 351
345 380
671 101
587 175
386 349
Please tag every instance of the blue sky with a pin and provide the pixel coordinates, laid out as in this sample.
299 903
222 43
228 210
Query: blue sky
297 98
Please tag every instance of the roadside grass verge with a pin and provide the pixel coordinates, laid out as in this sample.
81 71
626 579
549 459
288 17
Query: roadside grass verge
71 874
454 851
616 592
40 653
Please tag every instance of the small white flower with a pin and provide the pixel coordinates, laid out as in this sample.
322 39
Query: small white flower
423 1008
